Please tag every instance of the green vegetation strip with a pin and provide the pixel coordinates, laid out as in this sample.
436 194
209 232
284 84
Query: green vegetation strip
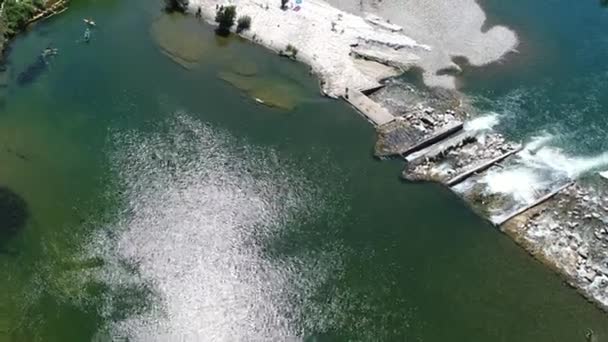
15 15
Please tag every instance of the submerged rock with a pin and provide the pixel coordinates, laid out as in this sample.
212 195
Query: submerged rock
32 72
244 68
270 92
177 38
4 76
13 213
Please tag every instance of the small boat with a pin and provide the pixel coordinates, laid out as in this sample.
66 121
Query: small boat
604 174
89 22
87 35
258 100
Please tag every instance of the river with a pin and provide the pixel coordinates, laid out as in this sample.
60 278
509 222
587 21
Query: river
155 202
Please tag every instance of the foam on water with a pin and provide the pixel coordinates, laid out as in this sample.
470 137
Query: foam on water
560 154
198 218
482 123
573 111
555 159
521 183
540 167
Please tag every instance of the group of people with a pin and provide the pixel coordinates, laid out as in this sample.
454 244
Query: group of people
50 51
87 32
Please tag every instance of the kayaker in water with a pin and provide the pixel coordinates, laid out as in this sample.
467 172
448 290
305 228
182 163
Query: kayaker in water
48 52
89 22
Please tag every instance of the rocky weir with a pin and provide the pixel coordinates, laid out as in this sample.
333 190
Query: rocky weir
562 221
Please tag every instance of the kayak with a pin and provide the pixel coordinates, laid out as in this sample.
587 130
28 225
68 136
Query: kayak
89 22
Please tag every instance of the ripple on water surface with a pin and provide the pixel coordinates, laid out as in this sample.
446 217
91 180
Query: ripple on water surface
200 216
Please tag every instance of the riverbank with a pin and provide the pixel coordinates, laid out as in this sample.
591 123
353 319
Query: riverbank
15 15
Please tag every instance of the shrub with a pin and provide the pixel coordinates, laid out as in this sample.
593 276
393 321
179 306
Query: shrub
15 16
283 4
292 50
3 33
17 13
176 5
225 18
244 23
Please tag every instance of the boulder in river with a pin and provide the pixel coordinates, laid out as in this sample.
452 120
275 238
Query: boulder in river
268 91
32 72
13 213
180 38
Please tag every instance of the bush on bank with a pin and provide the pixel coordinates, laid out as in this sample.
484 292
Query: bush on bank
15 15
244 23
225 16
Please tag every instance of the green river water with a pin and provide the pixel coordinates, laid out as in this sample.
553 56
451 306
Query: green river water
163 203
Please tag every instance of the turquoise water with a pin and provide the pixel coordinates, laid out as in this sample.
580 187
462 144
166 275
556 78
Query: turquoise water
164 203
557 82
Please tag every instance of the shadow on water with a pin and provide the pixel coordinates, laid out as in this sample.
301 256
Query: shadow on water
13 213
41 64
32 72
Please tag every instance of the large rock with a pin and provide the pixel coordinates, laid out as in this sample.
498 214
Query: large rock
268 91
179 5
13 213
178 37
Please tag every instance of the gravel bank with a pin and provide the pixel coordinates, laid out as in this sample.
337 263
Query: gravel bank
350 48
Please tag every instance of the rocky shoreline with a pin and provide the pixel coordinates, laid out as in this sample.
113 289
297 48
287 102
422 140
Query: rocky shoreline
570 234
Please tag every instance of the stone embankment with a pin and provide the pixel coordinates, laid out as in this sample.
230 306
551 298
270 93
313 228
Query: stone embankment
569 232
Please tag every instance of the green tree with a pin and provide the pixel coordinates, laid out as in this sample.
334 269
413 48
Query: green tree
17 13
225 18
176 5
292 51
3 33
244 23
